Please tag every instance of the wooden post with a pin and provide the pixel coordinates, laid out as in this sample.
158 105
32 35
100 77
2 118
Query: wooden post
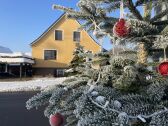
21 70
25 70
6 67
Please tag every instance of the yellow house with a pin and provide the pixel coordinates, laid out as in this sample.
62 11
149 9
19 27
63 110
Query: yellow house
53 50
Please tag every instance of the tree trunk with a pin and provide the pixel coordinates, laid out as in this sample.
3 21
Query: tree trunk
147 10
142 51
142 54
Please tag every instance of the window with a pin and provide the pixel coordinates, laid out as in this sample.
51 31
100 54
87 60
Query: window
60 72
58 35
50 54
76 36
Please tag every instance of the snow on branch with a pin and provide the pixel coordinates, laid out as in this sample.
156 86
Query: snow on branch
165 22
160 15
141 117
68 10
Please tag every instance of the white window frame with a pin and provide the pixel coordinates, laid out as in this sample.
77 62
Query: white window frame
62 34
50 49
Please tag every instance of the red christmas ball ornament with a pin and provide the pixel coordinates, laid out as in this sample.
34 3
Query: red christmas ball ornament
163 68
56 120
121 29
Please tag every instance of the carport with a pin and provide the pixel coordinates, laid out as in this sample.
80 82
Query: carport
18 64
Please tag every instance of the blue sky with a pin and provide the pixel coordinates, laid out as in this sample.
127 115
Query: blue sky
22 21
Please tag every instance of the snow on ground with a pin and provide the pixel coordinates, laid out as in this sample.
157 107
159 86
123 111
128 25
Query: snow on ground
31 85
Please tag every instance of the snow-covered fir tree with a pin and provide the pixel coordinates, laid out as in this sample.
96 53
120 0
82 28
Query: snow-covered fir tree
121 91
77 63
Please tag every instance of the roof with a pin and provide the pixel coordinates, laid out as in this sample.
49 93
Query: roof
5 50
16 58
46 31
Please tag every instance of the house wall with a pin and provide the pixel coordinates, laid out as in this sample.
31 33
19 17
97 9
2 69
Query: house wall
64 48
51 72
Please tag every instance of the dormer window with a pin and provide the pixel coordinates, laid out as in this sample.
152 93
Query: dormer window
76 36
58 35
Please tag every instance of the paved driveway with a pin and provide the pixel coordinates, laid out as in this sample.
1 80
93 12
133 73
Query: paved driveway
14 113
